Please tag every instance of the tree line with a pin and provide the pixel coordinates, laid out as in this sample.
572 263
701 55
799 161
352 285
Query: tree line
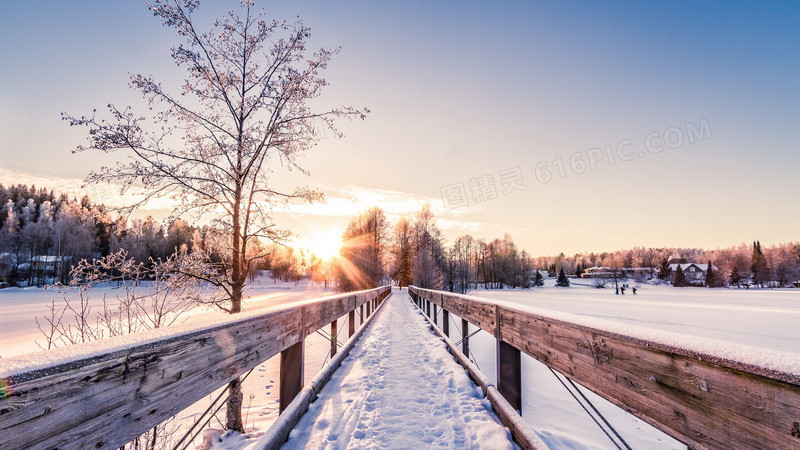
413 251
44 234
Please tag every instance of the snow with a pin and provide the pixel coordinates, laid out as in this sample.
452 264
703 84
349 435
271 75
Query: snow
400 388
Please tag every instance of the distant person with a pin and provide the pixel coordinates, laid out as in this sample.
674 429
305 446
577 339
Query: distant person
634 290
617 293
622 290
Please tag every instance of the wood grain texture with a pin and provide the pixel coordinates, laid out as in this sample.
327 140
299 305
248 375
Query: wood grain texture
107 400
701 400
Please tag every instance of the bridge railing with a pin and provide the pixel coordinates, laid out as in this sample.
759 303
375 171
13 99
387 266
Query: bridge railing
703 400
104 394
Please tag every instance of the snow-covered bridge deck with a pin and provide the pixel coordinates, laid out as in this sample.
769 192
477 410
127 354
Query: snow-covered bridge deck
400 388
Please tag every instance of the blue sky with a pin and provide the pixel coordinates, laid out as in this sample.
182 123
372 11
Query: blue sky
461 90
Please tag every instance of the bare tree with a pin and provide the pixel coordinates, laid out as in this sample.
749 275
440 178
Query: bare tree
211 145
402 252
365 242
429 260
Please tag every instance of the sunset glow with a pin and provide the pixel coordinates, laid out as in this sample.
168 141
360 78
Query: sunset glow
324 243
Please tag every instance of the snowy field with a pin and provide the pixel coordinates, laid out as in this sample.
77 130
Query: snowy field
765 319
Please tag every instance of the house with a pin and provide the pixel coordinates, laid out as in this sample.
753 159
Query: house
694 273
49 264
639 273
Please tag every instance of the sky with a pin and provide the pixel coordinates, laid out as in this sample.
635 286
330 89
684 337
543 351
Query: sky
572 126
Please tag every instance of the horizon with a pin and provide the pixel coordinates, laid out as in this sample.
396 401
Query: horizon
579 125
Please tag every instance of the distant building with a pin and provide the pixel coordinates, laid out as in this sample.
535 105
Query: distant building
48 265
624 272
598 272
692 271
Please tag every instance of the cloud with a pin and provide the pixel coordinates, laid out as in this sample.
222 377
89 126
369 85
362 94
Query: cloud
349 200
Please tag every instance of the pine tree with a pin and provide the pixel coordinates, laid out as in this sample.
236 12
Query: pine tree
736 277
680 278
711 276
663 269
578 270
538 280
562 280
758 266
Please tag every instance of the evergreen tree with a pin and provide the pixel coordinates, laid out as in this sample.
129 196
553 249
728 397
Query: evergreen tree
711 276
736 276
578 270
562 280
663 269
680 278
758 266
538 279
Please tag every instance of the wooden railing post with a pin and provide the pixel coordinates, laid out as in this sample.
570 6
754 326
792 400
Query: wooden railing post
446 322
334 341
509 366
351 323
435 313
465 337
291 376
509 373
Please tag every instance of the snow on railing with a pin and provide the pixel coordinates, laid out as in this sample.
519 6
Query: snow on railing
106 393
705 393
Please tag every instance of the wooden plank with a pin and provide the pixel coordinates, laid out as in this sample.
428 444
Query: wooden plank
109 399
324 313
481 314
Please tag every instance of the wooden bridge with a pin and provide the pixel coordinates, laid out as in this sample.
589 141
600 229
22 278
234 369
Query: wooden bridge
105 397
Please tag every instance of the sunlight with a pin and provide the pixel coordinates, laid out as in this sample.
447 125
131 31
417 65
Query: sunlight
325 244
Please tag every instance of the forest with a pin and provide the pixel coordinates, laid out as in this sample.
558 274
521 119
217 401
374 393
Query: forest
44 234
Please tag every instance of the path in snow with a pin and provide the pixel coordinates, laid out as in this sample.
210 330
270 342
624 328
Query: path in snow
400 388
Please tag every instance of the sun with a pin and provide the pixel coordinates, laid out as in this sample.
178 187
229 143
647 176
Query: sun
325 244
